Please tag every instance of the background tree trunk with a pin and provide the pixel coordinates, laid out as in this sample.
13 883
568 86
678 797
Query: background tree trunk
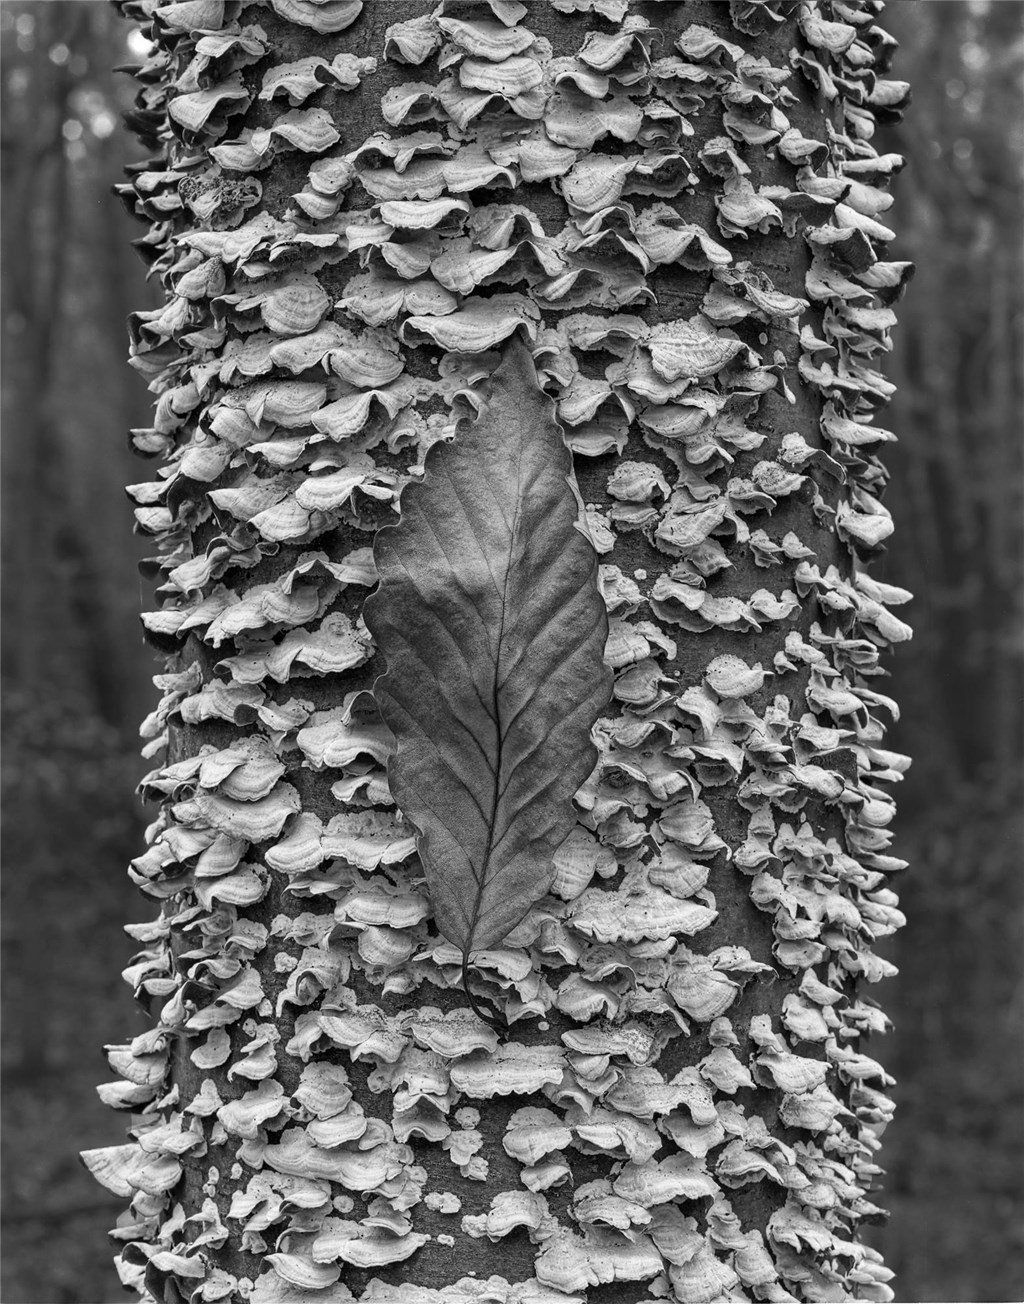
71 682
957 483
678 207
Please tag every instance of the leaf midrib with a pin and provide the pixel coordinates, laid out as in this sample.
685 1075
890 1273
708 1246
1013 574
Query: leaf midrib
496 703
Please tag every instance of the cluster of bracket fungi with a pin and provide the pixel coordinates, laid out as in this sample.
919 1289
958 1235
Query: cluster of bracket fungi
683 222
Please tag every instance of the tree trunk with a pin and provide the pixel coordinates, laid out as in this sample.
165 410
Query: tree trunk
354 211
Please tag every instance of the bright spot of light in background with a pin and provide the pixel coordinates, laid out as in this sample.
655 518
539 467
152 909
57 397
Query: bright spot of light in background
59 53
72 129
25 26
91 113
974 55
138 44
103 124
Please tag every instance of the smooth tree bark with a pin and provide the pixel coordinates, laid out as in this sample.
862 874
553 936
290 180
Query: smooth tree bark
359 212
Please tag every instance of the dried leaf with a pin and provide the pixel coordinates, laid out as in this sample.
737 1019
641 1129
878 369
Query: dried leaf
493 628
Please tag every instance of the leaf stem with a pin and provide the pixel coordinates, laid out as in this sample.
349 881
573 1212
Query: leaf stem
480 1014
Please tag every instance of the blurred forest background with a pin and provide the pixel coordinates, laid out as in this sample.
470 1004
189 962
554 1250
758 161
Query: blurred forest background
76 676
